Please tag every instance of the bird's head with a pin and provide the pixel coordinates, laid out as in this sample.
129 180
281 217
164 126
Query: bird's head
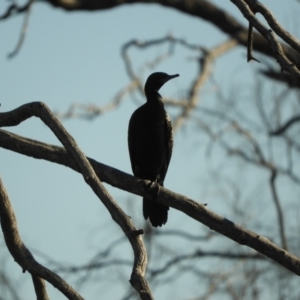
156 80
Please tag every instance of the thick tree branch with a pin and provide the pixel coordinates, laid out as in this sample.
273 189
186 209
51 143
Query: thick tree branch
24 257
40 110
133 185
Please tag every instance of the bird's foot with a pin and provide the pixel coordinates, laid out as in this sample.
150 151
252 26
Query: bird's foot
152 189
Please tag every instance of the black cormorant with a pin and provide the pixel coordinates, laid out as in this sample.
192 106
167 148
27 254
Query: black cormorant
150 142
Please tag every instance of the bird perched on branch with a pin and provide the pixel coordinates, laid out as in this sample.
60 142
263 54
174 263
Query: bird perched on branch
150 142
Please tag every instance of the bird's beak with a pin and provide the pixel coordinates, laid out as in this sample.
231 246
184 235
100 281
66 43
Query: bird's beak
173 76
170 77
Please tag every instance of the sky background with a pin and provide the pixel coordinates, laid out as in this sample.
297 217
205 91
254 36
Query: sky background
75 57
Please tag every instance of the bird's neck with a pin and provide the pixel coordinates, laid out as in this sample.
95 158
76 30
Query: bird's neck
153 96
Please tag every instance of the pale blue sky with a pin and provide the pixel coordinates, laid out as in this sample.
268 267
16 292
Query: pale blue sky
75 57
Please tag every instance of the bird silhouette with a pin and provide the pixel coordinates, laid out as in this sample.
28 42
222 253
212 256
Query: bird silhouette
150 142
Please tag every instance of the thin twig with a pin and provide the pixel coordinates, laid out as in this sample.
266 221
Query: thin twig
23 31
279 211
285 126
250 44
91 111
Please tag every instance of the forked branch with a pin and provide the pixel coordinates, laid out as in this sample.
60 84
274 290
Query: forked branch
40 110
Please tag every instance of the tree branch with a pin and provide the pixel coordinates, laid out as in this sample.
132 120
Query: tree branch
278 51
23 31
24 257
15 9
40 288
136 186
40 110
257 6
278 210
204 72
199 253
202 9
285 126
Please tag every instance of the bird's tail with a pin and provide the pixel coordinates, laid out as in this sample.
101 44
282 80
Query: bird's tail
156 212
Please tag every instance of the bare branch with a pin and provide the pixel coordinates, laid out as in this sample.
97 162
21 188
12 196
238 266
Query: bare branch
136 186
279 211
23 31
24 257
204 72
200 253
250 44
91 111
285 126
40 110
281 77
257 158
40 288
183 234
257 6
278 52
202 9
15 9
